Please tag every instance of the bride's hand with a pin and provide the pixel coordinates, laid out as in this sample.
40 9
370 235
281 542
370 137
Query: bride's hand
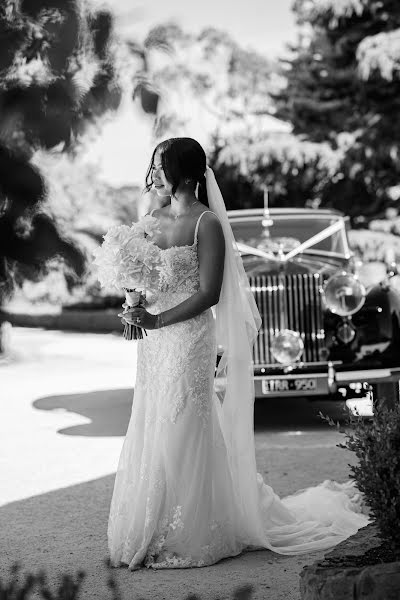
147 320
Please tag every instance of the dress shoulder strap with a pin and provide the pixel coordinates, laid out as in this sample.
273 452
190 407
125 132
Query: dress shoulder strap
197 224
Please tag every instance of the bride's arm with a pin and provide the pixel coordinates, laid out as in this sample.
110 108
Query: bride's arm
211 254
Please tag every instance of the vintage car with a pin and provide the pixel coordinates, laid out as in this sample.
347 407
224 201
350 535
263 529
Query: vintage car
323 333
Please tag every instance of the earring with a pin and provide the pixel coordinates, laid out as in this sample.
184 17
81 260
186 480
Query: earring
188 181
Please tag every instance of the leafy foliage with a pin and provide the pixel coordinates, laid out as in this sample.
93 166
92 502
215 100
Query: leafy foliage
205 77
345 77
57 74
294 171
59 71
374 245
376 444
84 207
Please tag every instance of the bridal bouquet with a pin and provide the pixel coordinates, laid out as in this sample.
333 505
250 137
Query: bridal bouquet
128 260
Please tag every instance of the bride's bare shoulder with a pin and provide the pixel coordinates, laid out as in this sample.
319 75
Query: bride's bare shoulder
210 227
209 218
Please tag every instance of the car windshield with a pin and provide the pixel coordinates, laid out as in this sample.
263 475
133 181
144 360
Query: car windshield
286 232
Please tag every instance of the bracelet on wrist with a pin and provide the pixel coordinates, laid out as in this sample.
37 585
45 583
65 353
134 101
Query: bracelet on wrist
160 321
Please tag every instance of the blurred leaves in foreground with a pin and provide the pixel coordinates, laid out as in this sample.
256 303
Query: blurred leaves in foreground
70 587
56 74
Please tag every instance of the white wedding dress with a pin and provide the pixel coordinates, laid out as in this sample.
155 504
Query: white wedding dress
174 502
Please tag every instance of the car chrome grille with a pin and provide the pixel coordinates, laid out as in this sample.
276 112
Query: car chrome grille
288 302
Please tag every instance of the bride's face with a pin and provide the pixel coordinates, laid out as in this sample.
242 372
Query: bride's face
160 183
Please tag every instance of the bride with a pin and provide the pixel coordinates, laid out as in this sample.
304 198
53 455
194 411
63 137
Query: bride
187 492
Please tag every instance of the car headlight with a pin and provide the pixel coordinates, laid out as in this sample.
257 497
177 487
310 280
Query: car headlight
287 347
344 294
346 332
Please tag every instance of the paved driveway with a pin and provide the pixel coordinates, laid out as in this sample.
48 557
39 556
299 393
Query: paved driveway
65 402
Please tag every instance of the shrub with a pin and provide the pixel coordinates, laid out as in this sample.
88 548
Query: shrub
294 171
376 443
372 245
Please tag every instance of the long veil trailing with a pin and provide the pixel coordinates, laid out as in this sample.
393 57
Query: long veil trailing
266 521
237 323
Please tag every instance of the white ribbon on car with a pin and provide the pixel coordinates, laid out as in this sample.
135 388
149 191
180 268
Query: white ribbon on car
315 239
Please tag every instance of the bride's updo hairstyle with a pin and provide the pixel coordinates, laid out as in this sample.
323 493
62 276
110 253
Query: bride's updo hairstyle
182 158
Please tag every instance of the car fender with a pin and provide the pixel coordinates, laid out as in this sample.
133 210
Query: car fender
380 313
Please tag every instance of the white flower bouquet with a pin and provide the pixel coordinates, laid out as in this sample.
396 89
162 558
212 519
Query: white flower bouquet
128 260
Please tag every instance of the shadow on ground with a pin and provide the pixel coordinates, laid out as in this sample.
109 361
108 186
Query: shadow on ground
290 414
108 410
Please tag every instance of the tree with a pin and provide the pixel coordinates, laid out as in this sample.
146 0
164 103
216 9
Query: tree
56 75
202 83
84 206
144 86
344 77
294 171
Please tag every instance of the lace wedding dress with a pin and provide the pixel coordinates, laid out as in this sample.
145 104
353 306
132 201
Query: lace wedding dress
174 502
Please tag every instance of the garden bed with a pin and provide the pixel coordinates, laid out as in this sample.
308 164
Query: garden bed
67 319
361 567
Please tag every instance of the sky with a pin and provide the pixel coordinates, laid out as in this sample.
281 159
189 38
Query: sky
123 152
264 25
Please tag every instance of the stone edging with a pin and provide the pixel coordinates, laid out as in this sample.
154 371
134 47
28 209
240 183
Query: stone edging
326 581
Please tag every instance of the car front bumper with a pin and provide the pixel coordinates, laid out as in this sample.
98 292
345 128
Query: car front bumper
314 379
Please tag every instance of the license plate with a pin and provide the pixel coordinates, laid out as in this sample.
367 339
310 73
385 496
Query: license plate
301 384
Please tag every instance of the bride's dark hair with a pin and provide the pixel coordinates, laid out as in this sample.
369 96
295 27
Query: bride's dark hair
181 158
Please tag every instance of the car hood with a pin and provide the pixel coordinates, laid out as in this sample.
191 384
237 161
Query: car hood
301 264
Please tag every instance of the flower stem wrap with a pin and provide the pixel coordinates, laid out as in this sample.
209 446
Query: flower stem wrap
134 298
